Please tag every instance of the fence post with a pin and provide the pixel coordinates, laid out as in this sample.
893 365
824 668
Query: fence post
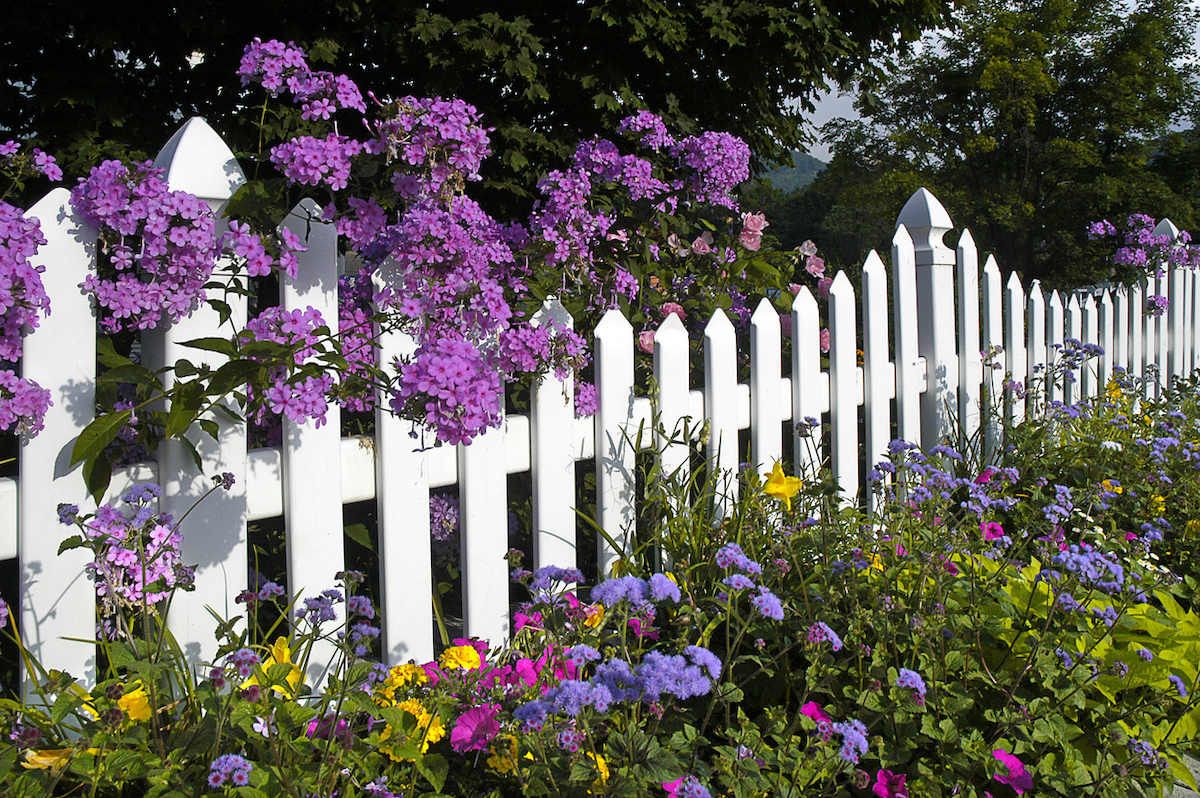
197 160
927 221
57 601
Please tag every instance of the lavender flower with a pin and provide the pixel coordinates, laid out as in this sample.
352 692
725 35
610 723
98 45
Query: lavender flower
911 680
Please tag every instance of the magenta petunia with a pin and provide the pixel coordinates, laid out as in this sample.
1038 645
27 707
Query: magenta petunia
1015 775
476 728
890 785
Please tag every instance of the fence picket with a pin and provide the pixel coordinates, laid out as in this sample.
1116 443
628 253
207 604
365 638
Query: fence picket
1091 335
878 377
843 387
970 368
810 395
483 530
551 422
766 395
721 406
1072 328
671 374
1055 332
993 336
60 360
1036 346
1106 324
615 478
1014 340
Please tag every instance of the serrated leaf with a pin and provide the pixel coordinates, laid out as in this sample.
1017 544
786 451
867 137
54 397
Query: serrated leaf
185 407
360 535
97 435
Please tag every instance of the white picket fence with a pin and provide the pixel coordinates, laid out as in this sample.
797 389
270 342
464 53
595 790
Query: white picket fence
947 310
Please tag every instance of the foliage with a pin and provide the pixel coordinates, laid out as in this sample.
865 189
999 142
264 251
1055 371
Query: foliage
113 82
1030 121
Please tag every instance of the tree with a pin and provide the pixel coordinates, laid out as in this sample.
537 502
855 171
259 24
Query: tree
1029 119
89 79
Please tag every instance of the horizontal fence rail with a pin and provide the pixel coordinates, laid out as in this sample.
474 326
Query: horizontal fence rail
916 377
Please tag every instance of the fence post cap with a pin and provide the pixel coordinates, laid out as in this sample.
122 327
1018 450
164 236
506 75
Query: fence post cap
927 221
197 160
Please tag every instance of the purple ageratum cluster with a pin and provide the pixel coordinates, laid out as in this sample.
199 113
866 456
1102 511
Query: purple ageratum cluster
636 591
297 397
746 573
229 768
137 554
854 739
320 609
162 245
820 632
926 480
615 681
1092 567
911 680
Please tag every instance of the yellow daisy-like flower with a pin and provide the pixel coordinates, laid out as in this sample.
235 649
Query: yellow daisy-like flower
429 728
503 755
1159 503
465 657
1109 486
136 704
280 652
781 486
601 767
399 676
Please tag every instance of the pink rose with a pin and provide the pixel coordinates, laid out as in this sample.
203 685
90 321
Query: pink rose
754 222
703 244
815 266
823 287
672 307
825 342
645 342
750 239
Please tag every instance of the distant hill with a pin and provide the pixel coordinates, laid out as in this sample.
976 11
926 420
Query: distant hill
793 178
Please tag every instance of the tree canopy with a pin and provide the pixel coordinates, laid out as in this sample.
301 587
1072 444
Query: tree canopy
1028 120
89 79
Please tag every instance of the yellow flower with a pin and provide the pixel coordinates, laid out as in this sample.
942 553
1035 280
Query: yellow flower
400 676
782 487
1159 503
429 728
593 614
1109 486
52 759
136 704
601 766
280 653
1192 528
503 757
465 657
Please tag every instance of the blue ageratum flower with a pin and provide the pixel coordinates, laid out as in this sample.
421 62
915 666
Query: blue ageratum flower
911 680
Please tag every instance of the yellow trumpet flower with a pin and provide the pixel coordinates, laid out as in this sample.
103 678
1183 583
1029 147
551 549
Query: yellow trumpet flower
781 486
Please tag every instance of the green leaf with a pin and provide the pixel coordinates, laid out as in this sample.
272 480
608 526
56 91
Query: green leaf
132 372
222 345
233 374
97 475
185 407
360 535
97 435
435 768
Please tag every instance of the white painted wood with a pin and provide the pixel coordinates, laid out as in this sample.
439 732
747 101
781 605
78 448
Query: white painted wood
1090 378
1055 332
405 555
9 547
483 542
552 422
970 364
766 396
315 543
671 373
720 407
927 221
843 384
57 601
1073 329
196 160
878 375
1121 328
615 477
810 387
1014 343
1193 326
1037 350
1137 332
908 372
993 341
1106 330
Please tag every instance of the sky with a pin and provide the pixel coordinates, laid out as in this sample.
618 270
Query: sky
830 105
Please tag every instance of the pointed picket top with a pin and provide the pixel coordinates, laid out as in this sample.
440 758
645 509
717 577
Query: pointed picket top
764 313
197 160
1035 290
1014 283
613 323
927 221
991 266
671 328
1166 228
718 325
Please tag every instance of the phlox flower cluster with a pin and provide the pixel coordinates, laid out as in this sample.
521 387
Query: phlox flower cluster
587 400
314 161
22 296
356 333
229 768
444 523
455 386
298 397
137 555
443 139
161 245
247 246
23 404
1145 250
283 67
14 163
720 162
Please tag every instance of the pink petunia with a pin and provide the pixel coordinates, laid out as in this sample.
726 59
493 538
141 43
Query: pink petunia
890 785
813 710
476 728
